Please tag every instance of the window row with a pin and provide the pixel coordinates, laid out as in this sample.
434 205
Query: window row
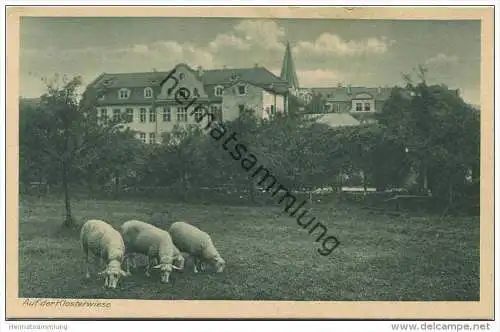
357 106
125 93
149 115
241 90
151 136
360 107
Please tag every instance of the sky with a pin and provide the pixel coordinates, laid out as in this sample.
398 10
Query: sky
326 51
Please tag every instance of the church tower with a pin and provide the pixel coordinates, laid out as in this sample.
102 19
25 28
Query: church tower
288 70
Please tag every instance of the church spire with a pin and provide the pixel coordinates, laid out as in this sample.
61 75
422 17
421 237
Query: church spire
288 69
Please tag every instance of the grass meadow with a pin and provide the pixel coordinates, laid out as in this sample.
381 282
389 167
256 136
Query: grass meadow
269 257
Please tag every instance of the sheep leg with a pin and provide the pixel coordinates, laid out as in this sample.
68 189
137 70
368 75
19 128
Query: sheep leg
87 260
127 264
196 264
132 260
148 266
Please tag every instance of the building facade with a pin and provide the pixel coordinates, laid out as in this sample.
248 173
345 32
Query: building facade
148 102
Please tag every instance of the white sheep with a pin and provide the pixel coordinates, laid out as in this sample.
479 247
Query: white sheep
153 242
105 242
198 244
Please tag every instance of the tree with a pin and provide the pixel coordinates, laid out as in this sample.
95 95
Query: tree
68 132
181 154
117 160
439 131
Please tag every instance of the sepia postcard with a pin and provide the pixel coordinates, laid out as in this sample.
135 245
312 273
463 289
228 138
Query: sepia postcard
249 163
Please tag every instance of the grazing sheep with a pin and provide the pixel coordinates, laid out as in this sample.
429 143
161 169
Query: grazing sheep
153 242
105 242
198 244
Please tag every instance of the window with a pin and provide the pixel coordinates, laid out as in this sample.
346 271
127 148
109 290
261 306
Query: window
181 114
166 114
142 115
104 114
359 107
148 93
367 107
130 115
152 115
328 107
152 138
116 115
273 110
142 137
198 114
241 108
181 76
123 94
217 115
195 92
218 91
242 90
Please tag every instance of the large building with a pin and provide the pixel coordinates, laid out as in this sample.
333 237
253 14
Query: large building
149 104
335 106
340 105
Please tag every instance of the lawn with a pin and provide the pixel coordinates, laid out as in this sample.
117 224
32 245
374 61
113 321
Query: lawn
269 257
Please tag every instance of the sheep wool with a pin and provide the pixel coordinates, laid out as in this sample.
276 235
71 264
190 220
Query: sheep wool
194 241
149 240
103 241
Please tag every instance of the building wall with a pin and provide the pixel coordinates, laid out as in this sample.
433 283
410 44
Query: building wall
232 101
363 103
155 124
379 104
182 77
338 107
268 101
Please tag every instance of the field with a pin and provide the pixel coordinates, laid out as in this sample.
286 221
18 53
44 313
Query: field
269 257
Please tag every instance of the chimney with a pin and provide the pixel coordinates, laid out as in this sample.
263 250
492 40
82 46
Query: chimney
224 67
154 70
349 89
200 71
339 85
256 65
379 90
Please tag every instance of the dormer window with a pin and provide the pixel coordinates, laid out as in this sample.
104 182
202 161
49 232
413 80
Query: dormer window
148 93
242 90
195 92
218 91
181 76
123 94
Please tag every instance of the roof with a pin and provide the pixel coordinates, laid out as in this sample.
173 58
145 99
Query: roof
256 75
343 93
288 69
130 80
335 119
259 76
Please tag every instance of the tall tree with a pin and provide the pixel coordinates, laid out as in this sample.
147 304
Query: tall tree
68 131
439 131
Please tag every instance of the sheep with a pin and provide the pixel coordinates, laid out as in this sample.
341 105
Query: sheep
153 242
106 243
198 244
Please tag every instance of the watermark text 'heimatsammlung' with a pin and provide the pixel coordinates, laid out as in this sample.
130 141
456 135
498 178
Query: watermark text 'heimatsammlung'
249 161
